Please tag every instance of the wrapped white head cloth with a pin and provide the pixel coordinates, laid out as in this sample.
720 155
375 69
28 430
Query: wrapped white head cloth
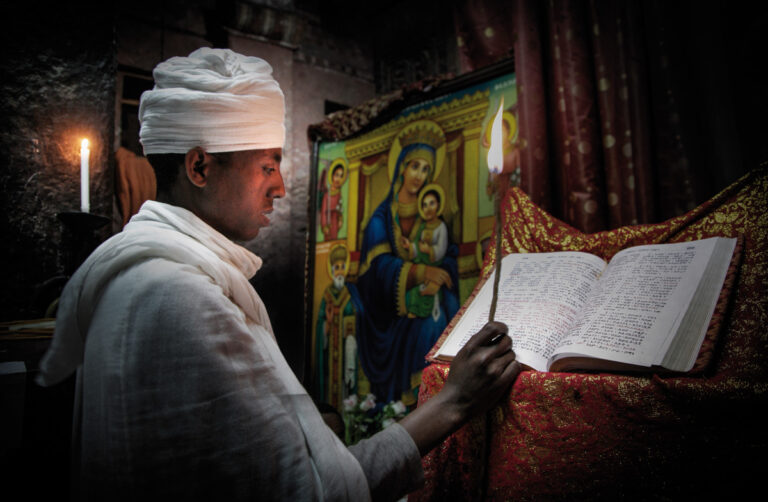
214 98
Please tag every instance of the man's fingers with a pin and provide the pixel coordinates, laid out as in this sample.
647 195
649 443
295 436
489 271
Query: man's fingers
511 372
503 346
499 364
486 334
499 345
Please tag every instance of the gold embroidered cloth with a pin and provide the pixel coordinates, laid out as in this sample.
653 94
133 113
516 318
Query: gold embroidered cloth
569 436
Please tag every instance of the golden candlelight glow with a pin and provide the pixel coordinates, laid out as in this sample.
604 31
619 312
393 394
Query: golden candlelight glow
84 144
496 149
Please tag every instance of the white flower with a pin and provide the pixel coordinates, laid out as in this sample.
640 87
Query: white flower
368 403
350 403
398 408
387 422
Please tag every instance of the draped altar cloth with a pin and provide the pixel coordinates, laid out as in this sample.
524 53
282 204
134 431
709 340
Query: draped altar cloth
579 436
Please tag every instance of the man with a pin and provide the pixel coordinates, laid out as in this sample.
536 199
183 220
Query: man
181 388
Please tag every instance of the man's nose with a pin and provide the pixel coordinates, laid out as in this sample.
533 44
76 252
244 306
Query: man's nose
278 191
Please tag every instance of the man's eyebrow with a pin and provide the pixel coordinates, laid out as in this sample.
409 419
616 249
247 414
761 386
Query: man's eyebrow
277 158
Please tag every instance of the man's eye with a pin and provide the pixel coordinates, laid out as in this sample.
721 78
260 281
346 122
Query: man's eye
268 170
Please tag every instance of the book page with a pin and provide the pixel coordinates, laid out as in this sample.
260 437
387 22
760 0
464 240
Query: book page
638 303
684 349
540 295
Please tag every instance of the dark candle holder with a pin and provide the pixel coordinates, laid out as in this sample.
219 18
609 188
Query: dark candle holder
78 239
79 221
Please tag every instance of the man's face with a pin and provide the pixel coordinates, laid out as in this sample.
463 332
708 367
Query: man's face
239 196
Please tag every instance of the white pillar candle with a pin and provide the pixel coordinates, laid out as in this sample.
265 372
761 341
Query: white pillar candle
85 203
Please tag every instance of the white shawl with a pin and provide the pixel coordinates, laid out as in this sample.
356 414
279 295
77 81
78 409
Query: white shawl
146 237
175 234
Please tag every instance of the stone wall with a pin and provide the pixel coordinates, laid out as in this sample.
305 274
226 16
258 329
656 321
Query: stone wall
58 66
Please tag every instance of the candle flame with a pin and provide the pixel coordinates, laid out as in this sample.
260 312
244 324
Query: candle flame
495 151
84 144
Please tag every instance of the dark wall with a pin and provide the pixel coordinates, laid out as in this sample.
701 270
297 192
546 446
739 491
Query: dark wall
57 87
410 40
58 84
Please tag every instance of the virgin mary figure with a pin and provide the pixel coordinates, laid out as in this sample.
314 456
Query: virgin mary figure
392 343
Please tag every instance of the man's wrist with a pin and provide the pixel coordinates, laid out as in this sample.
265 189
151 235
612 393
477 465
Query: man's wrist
433 420
456 411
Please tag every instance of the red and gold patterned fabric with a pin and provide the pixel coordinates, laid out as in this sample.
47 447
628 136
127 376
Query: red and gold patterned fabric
569 436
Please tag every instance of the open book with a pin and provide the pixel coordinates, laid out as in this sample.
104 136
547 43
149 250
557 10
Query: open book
648 308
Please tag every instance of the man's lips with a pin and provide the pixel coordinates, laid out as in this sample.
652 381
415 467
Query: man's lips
266 215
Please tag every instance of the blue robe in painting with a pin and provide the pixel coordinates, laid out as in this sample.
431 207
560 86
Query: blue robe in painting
392 347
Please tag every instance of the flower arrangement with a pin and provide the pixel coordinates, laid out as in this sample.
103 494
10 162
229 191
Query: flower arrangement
363 418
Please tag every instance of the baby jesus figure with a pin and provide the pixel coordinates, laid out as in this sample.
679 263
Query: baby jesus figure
428 248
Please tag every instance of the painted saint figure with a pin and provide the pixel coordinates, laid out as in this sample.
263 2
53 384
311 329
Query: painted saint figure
392 344
336 359
331 210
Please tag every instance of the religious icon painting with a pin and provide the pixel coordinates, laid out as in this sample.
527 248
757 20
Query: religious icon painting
335 353
330 213
403 210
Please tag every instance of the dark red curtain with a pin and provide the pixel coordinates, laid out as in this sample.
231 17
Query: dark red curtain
600 89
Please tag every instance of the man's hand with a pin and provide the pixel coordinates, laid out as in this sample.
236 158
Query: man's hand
480 374
482 370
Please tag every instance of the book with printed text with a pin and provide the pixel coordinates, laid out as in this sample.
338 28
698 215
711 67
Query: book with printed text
647 309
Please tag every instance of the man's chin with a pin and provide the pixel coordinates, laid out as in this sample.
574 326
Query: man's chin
245 236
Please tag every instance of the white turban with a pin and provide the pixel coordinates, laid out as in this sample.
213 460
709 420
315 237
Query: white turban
214 98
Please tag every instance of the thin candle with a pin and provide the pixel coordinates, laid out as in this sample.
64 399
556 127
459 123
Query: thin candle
85 153
495 167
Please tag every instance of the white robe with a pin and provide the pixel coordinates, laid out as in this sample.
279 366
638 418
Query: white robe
182 389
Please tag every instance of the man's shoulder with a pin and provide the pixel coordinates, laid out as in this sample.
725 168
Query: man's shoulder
155 253
160 272
173 295
158 265
158 280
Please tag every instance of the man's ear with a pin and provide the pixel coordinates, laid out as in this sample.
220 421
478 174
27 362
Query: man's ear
197 164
